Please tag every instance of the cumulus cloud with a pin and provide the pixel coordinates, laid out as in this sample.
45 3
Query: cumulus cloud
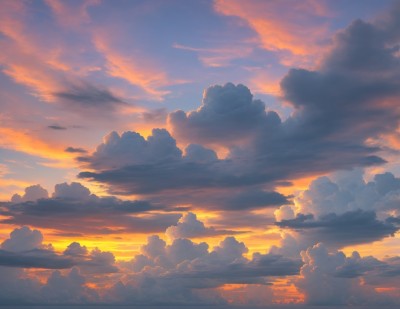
72 204
132 149
67 289
25 249
189 226
186 268
333 279
131 164
227 114
340 105
184 272
345 211
353 227
23 239
32 193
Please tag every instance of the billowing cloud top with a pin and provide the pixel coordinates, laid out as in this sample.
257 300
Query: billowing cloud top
278 187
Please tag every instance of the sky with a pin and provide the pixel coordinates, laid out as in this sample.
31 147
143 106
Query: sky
218 153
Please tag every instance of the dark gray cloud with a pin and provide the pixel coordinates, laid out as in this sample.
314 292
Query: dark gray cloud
227 114
56 127
75 150
353 227
72 204
25 249
337 108
253 199
84 96
36 258
131 149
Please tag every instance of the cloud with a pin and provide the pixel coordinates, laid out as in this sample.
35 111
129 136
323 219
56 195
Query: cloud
23 239
189 226
35 259
137 70
295 32
32 193
130 148
43 62
131 164
350 192
342 210
185 268
71 191
353 227
255 199
337 108
228 113
68 289
72 204
75 150
24 249
56 127
332 278
75 249
90 97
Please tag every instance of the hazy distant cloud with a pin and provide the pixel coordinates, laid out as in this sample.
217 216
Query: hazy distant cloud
157 115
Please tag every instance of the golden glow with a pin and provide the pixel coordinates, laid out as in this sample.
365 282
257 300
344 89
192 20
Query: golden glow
25 142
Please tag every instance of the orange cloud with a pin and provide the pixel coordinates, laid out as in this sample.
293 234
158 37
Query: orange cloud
282 26
219 57
137 71
71 15
22 141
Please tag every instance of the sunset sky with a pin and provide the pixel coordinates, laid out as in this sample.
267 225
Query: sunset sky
204 152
